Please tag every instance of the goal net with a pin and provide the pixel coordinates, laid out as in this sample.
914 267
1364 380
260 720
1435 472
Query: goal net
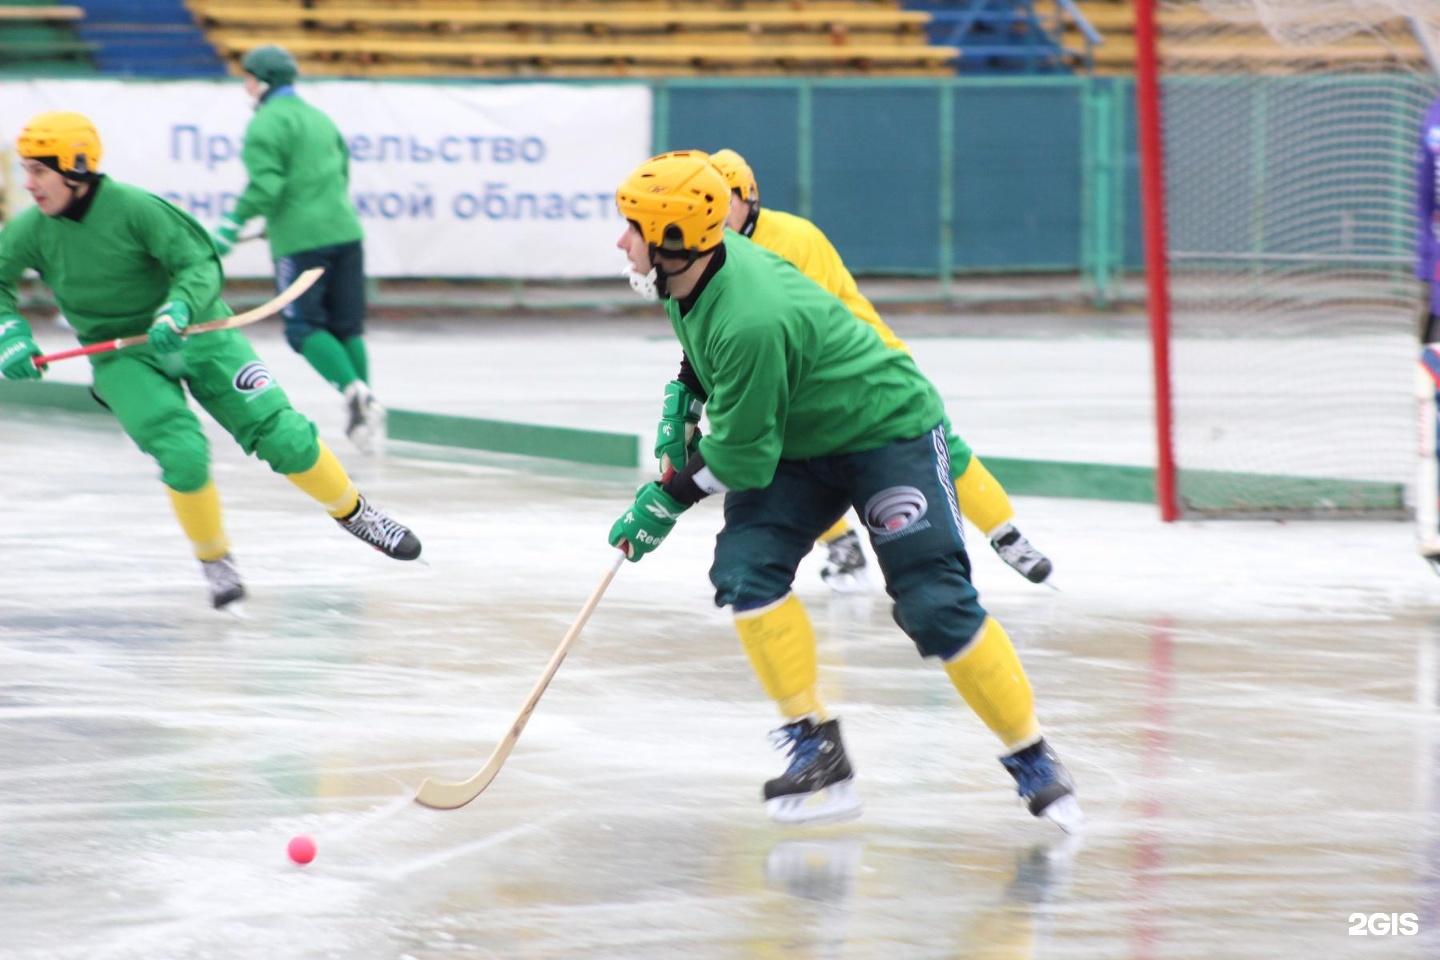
1285 360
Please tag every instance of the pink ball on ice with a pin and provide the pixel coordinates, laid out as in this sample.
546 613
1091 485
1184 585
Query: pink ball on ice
301 849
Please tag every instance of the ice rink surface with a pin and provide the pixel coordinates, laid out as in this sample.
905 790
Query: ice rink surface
1249 708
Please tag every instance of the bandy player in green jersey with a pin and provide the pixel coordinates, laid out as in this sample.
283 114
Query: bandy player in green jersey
299 180
812 414
121 262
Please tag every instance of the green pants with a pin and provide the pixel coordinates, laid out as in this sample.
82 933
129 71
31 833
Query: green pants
147 394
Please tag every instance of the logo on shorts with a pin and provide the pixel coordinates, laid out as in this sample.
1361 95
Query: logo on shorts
254 377
896 512
1432 139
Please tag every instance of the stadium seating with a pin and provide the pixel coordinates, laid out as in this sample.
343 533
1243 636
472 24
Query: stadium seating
582 37
38 39
149 38
1007 36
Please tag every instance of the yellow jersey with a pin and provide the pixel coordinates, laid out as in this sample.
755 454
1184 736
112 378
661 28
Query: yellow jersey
805 245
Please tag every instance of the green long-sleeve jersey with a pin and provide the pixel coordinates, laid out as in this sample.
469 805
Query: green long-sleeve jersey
789 373
299 170
128 254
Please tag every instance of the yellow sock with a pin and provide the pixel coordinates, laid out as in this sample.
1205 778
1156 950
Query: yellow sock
841 528
989 676
328 483
201 519
781 646
983 501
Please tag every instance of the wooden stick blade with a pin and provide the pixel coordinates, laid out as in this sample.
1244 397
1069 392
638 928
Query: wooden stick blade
440 795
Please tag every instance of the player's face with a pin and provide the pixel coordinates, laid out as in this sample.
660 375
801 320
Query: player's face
50 190
635 248
252 86
739 210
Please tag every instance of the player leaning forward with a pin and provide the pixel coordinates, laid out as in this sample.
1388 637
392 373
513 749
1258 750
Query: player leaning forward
122 262
794 442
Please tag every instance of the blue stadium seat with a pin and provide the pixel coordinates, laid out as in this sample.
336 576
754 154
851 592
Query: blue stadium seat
996 36
148 38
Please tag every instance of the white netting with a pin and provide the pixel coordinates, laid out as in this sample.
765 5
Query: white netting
1290 131
1289 36
1302 22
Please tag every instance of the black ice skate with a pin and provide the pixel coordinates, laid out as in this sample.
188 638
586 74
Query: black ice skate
390 538
1015 550
818 771
224 581
1045 785
844 570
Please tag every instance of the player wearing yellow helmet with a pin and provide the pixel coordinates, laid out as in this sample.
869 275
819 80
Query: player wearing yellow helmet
811 414
120 262
983 501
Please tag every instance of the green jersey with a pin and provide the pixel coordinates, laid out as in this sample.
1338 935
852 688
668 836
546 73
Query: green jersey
789 372
299 169
128 253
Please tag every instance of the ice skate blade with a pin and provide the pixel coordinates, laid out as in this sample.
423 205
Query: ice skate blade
362 440
837 803
847 584
234 609
1066 814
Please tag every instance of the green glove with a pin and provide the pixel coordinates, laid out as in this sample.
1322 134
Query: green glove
17 346
226 234
167 332
645 525
678 432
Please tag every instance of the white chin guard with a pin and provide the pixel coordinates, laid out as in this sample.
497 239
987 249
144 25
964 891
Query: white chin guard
642 283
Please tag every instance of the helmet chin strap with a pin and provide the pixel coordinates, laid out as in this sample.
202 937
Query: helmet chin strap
74 187
656 255
748 227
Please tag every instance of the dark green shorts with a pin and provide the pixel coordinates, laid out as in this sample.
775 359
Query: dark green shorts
336 303
905 497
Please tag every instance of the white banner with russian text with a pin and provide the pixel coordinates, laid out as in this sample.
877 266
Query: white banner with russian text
450 180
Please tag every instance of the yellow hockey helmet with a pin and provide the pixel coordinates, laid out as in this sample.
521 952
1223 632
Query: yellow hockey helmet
67 138
737 173
678 200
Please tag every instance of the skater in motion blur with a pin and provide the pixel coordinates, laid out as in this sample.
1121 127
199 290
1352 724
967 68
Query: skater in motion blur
124 262
299 181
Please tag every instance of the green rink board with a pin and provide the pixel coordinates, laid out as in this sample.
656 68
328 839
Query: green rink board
1215 492
503 436
71 397
1202 491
